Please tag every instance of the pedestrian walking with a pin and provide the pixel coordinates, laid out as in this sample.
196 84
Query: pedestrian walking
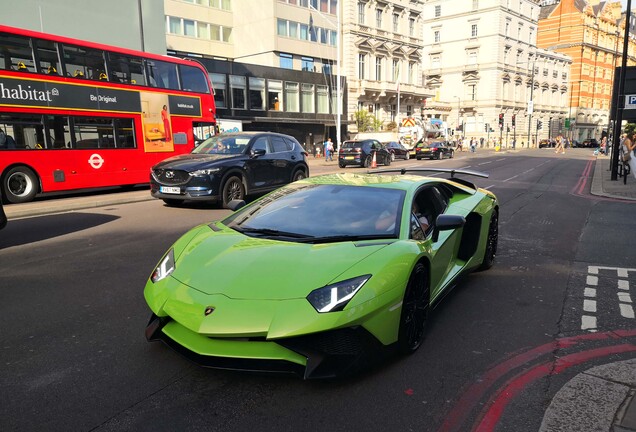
629 148
559 145
473 144
328 150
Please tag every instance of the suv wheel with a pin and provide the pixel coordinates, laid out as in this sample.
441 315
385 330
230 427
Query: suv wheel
232 190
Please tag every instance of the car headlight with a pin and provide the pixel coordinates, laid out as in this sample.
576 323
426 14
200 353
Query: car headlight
165 267
332 298
204 172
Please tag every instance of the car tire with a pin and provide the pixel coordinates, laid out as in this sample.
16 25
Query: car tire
367 162
171 202
388 160
341 165
438 156
415 306
418 158
298 175
491 242
19 185
233 189
452 154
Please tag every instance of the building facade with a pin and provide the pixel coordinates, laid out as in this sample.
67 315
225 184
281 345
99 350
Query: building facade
591 33
382 59
482 61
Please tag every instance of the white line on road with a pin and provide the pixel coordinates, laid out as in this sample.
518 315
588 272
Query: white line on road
588 323
590 292
592 280
513 177
623 284
624 297
488 187
485 163
589 305
499 160
627 311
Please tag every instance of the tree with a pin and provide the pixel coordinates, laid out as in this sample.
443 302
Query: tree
363 120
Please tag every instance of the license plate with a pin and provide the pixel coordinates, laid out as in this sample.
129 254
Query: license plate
169 190
349 157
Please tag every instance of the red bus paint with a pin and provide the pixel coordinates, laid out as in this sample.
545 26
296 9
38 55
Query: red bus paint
76 114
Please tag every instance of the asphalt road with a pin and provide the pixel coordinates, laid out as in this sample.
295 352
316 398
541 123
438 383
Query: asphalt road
72 316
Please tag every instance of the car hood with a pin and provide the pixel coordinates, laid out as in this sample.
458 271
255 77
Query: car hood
188 162
242 267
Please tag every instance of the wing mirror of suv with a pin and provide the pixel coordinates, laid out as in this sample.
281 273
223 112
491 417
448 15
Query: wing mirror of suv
257 152
234 205
447 222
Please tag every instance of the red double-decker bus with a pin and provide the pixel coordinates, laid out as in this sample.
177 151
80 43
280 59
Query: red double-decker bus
76 115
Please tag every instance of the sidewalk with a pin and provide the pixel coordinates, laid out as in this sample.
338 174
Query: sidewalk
602 185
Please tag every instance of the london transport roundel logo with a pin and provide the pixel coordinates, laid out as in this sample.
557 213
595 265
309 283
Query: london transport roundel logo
95 161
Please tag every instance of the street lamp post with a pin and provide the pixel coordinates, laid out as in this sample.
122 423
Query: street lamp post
458 102
530 102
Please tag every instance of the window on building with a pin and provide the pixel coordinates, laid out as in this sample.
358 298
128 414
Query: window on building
307 64
174 25
411 26
324 6
396 22
395 70
189 28
304 32
215 32
238 90
436 36
472 57
507 30
281 27
362 58
412 69
475 5
333 40
378 68
438 11
307 98
361 6
286 61
378 18
322 99
471 92
275 95
257 93
203 30
436 62
218 83
226 34
473 30
291 97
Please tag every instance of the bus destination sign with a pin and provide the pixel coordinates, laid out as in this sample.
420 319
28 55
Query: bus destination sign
33 93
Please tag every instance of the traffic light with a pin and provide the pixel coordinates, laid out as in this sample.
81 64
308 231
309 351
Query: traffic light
486 127
539 125
501 120
513 120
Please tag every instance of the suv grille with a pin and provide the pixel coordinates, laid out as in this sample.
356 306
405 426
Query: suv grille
171 177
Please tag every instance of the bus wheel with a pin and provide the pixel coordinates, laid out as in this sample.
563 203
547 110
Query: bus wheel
233 190
20 184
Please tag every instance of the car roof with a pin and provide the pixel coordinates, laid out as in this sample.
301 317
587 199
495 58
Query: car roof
254 133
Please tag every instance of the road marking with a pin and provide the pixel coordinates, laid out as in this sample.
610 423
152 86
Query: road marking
488 187
499 160
625 302
485 163
513 177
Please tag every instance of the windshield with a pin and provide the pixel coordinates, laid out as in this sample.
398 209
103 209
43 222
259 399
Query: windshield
223 144
315 213
351 144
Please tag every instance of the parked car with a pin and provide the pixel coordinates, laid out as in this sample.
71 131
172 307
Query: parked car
397 150
434 150
590 142
360 152
320 276
228 167
544 143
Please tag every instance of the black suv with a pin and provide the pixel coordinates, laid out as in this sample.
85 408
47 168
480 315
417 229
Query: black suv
361 153
228 167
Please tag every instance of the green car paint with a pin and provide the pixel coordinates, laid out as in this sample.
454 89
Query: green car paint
235 296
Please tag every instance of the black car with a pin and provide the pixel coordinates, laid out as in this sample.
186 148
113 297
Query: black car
361 153
397 150
544 143
433 150
228 167
590 142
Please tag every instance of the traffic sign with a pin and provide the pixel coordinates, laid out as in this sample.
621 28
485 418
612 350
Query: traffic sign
530 107
630 101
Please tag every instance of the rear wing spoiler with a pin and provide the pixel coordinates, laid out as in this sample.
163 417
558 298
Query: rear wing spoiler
451 171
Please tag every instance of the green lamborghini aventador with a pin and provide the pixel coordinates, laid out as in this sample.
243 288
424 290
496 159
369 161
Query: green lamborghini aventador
318 275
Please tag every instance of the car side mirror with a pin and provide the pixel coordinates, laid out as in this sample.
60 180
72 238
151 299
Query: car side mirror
234 205
447 222
257 152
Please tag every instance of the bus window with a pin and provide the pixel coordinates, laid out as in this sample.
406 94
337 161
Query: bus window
162 74
126 70
48 58
84 62
125 133
26 131
58 131
91 133
16 53
193 79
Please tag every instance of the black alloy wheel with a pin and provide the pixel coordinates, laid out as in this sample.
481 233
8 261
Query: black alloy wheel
415 305
388 159
233 190
298 175
491 242
20 185
367 161
341 165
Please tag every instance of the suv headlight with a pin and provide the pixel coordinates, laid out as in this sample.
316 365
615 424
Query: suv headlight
165 267
204 172
332 298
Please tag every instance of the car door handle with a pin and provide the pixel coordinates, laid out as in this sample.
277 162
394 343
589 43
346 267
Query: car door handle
293 157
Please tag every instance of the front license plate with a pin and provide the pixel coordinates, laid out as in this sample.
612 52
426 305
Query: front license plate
169 190
349 157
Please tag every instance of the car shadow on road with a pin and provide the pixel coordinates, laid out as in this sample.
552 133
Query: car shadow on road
31 230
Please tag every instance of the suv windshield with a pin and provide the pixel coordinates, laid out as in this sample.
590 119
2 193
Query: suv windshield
351 144
322 213
223 144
